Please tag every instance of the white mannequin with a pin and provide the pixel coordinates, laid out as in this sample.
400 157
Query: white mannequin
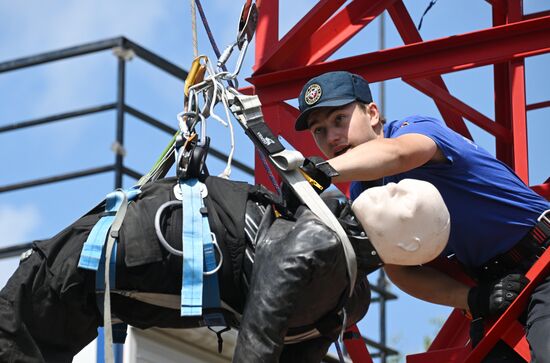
407 223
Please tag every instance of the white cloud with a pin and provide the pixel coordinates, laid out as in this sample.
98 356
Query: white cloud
17 223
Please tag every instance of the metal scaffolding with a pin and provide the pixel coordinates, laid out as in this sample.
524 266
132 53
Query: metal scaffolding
124 50
284 65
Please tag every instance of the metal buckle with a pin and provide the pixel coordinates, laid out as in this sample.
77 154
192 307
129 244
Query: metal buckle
545 217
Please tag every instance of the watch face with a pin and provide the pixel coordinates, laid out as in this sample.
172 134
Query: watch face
313 94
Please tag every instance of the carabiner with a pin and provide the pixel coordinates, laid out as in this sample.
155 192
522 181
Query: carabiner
247 23
196 73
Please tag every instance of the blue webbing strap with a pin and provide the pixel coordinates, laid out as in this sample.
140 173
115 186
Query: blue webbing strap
92 251
211 292
192 235
198 256
93 254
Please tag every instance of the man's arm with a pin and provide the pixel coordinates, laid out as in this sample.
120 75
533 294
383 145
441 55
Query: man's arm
429 284
382 157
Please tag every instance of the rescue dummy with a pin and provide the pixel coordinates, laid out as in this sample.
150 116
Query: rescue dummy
286 275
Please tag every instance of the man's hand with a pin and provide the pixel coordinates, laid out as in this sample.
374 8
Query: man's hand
318 172
492 299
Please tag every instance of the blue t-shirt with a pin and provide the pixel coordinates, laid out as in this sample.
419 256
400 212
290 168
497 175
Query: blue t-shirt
491 209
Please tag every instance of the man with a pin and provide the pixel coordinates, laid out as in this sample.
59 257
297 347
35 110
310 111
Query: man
493 213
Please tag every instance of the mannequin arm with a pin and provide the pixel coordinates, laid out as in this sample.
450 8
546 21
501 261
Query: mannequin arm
429 284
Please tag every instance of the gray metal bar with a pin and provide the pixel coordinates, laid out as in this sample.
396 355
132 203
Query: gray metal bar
119 147
155 60
60 54
150 120
53 179
382 323
381 290
380 347
15 250
57 117
131 172
94 47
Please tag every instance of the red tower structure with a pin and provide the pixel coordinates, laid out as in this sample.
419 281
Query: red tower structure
283 66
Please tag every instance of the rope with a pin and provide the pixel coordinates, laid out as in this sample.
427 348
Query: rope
218 54
270 173
208 31
194 29
432 3
210 36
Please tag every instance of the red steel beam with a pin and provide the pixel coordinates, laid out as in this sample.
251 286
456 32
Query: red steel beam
459 52
476 117
517 102
540 270
536 15
356 347
298 35
337 31
543 189
534 106
267 29
519 120
501 84
408 32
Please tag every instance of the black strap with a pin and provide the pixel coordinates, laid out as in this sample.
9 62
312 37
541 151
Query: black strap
520 257
219 335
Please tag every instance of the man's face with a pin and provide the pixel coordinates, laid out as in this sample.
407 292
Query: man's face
337 130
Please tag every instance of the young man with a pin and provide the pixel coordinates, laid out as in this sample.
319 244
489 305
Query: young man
493 213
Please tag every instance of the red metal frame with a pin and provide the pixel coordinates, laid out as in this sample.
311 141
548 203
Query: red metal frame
283 66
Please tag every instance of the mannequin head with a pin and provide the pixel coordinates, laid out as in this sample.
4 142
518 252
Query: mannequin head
407 223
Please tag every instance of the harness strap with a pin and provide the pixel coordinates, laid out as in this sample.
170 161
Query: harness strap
247 110
94 251
192 242
200 281
211 291
522 255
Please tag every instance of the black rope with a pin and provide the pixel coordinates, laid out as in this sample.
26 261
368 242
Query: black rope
209 32
432 3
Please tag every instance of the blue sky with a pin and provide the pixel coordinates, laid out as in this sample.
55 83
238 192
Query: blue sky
163 26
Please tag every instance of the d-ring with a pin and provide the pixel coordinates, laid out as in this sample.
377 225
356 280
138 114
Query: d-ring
160 236
215 243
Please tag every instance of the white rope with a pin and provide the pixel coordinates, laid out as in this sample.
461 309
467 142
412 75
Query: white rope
194 28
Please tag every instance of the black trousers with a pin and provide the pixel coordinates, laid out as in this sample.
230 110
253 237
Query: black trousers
41 323
538 323
536 320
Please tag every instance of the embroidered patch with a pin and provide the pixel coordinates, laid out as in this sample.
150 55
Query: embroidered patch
313 94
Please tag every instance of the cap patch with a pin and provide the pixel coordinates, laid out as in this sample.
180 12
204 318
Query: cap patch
313 94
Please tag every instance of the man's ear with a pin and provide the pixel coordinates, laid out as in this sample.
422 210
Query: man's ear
374 113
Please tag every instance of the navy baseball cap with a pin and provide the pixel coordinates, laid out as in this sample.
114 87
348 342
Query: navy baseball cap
332 89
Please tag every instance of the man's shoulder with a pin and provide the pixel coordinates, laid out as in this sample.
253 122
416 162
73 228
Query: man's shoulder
394 126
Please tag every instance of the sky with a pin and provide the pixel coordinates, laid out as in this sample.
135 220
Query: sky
163 26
